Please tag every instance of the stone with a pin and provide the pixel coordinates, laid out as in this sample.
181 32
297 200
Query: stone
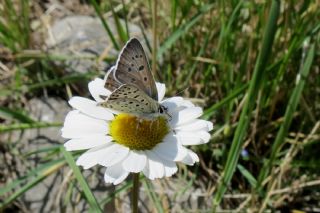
84 39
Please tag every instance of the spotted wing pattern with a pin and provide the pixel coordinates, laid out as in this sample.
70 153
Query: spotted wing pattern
130 99
132 68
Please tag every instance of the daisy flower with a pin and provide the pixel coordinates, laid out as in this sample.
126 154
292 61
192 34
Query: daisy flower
124 143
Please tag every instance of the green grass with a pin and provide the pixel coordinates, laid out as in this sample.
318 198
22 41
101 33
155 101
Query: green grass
94 206
246 113
239 60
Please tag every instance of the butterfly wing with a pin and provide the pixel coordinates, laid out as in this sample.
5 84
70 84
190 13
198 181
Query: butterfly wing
133 69
111 82
130 99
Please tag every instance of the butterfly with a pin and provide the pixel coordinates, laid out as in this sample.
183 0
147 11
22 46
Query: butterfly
132 84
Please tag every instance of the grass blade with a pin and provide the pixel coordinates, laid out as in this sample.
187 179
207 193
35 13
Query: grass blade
237 142
34 172
150 191
121 32
104 23
247 175
86 190
18 115
209 112
291 108
54 82
125 18
39 177
182 30
23 126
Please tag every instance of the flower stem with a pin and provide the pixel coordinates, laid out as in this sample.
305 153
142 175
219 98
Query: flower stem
135 192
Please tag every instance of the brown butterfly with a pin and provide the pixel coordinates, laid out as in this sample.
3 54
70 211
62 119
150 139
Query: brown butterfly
132 84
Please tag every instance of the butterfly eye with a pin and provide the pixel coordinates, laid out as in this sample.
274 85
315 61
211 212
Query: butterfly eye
162 109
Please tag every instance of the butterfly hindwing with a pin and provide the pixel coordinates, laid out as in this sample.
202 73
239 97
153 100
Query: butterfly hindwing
111 83
128 106
130 99
133 69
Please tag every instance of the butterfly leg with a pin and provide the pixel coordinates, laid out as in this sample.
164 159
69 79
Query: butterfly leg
168 115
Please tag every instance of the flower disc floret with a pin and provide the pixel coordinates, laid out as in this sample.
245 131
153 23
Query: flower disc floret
138 133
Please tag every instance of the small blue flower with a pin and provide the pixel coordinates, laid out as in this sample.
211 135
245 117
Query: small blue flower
245 153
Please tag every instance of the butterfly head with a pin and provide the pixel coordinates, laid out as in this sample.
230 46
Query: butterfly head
164 110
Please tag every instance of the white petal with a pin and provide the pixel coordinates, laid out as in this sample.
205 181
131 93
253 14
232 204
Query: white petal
169 149
209 125
186 140
87 142
196 124
172 103
205 136
170 168
74 133
177 101
146 171
193 155
113 155
135 161
79 125
155 168
161 90
193 137
185 115
90 158
115 174
96 88
90 108
187 103
190 158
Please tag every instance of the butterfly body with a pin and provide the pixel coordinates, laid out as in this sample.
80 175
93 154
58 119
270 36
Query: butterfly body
132 84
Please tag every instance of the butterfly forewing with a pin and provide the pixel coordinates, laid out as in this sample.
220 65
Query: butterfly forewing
130 99
133 69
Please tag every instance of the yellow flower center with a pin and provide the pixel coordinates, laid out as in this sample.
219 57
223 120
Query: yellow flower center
138 133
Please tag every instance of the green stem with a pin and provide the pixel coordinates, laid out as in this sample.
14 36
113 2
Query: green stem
135 192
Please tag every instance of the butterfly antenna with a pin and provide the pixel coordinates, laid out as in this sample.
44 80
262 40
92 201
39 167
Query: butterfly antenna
182 91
